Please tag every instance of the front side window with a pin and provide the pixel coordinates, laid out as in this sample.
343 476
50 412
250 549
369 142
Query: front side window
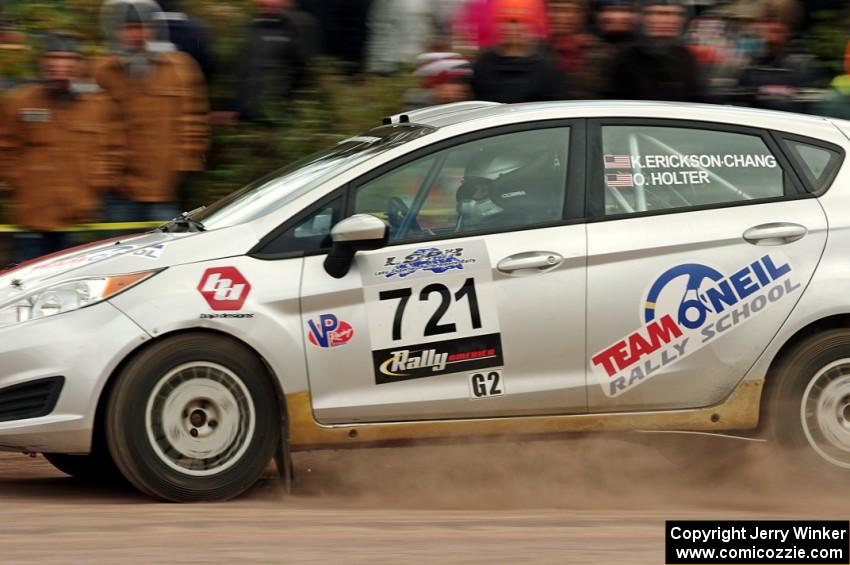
652 168
309 234
270 193
507 181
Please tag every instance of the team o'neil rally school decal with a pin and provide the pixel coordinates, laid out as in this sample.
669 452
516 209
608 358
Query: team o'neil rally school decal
431 312
676 325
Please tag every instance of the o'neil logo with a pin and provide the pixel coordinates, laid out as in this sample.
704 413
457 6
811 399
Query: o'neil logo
687 308
224 288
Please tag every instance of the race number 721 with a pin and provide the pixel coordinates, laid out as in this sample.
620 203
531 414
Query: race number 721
434 325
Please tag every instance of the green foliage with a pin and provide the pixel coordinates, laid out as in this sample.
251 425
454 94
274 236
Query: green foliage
828 37
336 106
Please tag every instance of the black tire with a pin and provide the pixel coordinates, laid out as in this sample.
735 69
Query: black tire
91 468
150 461
790 381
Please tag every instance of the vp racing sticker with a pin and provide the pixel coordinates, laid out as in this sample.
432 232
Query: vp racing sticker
329 331
432 311
675 325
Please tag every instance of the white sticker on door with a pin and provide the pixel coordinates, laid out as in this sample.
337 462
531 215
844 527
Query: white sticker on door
431 311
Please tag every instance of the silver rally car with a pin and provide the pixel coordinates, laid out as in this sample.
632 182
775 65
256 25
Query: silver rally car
468 270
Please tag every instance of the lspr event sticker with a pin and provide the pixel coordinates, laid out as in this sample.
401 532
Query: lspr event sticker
763 542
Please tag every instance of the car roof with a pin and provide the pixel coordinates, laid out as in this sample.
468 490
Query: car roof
469 112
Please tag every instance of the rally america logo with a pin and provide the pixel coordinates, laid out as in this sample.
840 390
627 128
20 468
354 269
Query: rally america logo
329 331
676 324
437 358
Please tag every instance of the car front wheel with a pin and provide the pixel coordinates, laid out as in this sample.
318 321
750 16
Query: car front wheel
193 418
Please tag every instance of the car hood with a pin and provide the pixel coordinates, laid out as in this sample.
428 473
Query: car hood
128 254
29 274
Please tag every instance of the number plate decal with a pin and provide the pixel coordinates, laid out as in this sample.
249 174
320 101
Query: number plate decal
431 311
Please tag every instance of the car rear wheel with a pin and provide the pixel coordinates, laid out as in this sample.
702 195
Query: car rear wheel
193 418
809 404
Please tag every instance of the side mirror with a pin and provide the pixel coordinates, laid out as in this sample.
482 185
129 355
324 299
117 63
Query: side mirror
361 232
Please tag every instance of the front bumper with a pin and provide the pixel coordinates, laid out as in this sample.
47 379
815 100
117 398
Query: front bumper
84 347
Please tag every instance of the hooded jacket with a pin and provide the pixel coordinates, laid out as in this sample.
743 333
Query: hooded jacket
166 115
58 156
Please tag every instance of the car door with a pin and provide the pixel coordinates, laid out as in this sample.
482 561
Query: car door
476 306
701 243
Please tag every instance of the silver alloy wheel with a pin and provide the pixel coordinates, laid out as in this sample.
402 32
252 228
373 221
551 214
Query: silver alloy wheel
825 413
200 419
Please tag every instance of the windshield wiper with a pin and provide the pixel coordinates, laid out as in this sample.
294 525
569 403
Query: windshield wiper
185 223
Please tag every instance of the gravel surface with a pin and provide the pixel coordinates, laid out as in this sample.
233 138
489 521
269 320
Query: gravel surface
581 501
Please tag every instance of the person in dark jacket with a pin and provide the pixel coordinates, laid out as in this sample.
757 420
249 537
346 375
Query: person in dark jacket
518 69
344 29
659 66
777 78
188 36
275 61
616 23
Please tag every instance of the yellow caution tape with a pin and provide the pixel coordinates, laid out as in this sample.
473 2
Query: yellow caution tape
119 226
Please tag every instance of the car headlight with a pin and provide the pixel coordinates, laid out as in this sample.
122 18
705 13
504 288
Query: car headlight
66 296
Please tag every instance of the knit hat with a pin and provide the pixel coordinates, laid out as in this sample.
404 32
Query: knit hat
514 10
440 68
61 42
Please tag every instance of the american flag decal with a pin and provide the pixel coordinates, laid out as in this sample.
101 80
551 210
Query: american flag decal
618 162
619 181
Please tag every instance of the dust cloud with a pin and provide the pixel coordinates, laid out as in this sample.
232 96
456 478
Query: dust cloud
656 472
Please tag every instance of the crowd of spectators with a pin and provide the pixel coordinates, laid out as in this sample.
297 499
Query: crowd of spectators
119 138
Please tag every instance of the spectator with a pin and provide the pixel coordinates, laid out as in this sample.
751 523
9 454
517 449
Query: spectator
188 36
775 79
162 97
444 79
62 145
275 61
570 43
477 25
344 29
398 31
616 21
659 66
518 68
837 101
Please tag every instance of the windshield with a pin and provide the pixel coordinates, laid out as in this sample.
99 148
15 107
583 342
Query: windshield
285 185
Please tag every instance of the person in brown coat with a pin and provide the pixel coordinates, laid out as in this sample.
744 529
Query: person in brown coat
163 101
62 145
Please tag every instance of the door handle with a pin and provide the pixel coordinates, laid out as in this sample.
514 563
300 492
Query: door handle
775 234
534 261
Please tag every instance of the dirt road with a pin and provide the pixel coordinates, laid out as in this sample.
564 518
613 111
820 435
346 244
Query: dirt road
545 502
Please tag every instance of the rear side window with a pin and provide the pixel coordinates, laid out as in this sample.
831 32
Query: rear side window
654 168
818 164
